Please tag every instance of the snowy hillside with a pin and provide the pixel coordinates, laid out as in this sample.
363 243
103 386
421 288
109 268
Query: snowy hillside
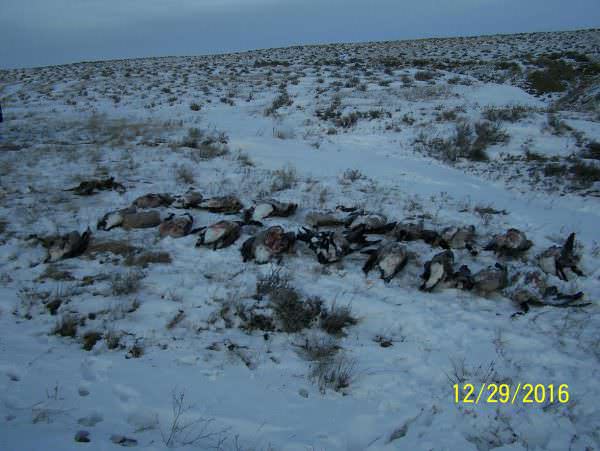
155 334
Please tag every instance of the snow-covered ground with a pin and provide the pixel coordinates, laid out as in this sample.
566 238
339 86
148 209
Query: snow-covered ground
287 117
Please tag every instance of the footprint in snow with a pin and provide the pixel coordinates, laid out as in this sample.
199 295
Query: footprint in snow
13 373
125 393
91 420
83 390
123 441
94 369
143 420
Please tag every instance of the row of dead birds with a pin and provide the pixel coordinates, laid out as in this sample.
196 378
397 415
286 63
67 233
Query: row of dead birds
347 231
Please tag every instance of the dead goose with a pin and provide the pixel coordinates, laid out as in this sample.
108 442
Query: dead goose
460 238
407 231
114 218
562 298
318 219
268 209
153 200
490 279
176 226
438 270
389 258
328 246
67 246
219 235
558 258
89 187
528 286
141 220
191 199
331 246
228 205
267 244
347 209
413 232
372 222
463 279
534 292
511 243
129 218
532 287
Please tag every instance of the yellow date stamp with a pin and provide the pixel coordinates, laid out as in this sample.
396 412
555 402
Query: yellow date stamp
510 394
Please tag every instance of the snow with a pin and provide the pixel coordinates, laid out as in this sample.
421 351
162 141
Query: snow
255 386
494 95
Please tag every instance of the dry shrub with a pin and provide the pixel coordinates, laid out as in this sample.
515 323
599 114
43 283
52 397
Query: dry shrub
336 373
90 339
67 326
125 284
147 258
292 313
336 318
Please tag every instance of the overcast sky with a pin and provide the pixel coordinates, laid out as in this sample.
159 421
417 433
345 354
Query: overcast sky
44 32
